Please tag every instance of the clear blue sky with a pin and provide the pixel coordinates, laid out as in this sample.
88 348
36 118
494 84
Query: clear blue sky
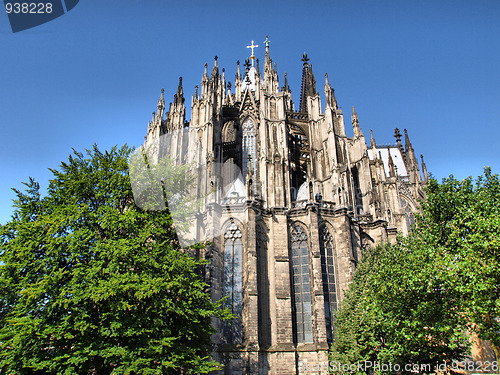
94 75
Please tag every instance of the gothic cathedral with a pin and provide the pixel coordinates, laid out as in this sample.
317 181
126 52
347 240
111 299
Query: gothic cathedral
292 204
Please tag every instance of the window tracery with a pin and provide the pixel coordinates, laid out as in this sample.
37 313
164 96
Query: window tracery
328 277
301 284
233 283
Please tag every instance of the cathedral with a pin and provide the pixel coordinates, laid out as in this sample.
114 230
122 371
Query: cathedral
290 202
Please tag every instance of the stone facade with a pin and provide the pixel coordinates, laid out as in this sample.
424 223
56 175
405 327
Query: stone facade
295 202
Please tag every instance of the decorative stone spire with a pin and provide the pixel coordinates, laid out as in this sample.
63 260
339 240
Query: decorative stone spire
204 82
392 171
215 70
286 87
355 122
424 169
237 82
161 104
308 83
373 145
179 95
408 145
397 135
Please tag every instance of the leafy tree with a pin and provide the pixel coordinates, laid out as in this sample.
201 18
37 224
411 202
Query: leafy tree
412 302
463 219
91 283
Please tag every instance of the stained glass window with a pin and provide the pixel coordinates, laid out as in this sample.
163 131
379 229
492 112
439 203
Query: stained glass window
409 216
328 277
263 287
301 284
233 283
248 146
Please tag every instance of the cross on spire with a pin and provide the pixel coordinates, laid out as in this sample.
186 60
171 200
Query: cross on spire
252 46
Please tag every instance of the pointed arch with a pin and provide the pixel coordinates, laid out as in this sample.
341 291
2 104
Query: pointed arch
327 250
233 284
301 284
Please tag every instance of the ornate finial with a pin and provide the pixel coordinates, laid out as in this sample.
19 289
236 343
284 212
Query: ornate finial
162 92
196 91
216 57
305 59
252 46
247 64
397 134
266 42
229 86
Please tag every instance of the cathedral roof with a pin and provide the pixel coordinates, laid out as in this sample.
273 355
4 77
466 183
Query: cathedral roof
396 156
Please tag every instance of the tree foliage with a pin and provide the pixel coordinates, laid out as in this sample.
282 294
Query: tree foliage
414 301
90 283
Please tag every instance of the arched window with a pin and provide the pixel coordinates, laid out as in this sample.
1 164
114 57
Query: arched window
409 216
328 277
229 132
301 285
263 287
233 283
248 146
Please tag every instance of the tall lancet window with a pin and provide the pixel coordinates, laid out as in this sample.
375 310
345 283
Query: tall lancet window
233 283
301 285
409 216
328 276
248 146
263 287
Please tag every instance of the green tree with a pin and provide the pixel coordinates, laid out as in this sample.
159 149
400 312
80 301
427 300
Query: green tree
90 283
414 301
463 220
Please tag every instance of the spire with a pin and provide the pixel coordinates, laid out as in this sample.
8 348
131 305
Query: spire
204 82
330 94
215 70
407 142
258 68
373 145
392 172
308 83
285 87
196 92
397 135
424 169
355 122
238 76
237 83
161 104
179 95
